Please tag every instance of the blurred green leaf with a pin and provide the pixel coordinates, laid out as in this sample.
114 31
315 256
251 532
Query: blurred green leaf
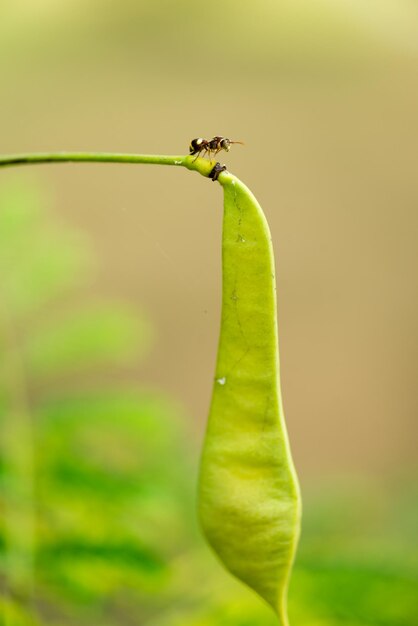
39 260
108 513
87 338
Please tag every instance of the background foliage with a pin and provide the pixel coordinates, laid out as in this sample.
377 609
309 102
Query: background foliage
98 473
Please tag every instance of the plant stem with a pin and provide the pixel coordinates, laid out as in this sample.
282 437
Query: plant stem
203 166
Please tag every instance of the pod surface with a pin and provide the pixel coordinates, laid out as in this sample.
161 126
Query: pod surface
249 500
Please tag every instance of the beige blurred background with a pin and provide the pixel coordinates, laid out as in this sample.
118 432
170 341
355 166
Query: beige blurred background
325 95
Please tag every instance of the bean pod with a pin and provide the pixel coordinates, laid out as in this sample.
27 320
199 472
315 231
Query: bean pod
249 500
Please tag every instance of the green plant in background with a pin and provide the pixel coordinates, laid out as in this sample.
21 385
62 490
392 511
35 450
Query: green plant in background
89 494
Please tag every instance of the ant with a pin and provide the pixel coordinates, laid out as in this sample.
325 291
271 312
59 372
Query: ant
215 145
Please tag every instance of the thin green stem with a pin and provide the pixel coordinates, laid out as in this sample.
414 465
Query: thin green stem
190 162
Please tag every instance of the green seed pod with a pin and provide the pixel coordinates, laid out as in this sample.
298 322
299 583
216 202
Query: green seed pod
249 500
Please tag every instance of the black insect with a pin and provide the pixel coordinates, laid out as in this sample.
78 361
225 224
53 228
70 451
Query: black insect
210 147
216 170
